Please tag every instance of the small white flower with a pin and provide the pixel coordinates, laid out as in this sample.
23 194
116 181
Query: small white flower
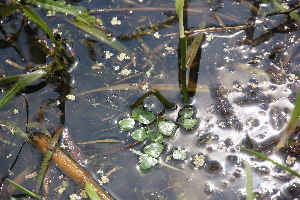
156 35
168 48
122 56
125 72
115 21
199 160
108 54
145 87
116 67
290 160
293 77
70 97
148 73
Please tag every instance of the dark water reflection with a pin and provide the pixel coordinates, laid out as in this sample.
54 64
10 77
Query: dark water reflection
246 77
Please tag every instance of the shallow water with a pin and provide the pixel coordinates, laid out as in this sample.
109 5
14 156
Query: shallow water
247 99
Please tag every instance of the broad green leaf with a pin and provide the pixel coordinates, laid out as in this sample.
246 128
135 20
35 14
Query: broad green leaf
272 161
139 134
80 13
102 36
143 116
166 128
91 192
23 82
189 123
37 19
154 149
8 9
158 139
147 161
179 154
126 124
186 112
23 189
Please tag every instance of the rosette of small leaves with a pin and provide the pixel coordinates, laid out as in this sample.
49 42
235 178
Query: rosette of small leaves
187 121
155 130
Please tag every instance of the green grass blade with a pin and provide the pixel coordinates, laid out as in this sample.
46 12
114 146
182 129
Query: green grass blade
101 35
292 123
24 81
37 19
47 158
23 189
249 186
91 192
272 161
80 13
8 9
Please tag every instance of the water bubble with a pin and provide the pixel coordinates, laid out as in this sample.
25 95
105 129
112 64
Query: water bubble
232 158
291 190
263 170
213 167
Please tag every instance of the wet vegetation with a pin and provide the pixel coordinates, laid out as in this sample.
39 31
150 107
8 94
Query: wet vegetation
149 99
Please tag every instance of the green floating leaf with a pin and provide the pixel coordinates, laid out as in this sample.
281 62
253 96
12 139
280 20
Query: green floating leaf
147 161
166 128
80 13
139 134
179 154
126 124
186 112
189 123
158 139
91 192
23 82
154 149
102 36
143 116
23 189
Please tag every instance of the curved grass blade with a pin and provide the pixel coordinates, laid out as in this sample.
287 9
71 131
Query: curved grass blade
24 189
8 9
24 81
292 123
101 35
37 19
272 161
80 13
91 192
47 158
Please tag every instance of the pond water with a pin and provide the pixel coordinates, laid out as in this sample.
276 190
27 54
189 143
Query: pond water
246 81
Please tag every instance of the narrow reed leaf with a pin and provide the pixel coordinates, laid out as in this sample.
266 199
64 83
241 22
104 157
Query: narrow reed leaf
8 9
292 123
47 158
272 161
249 186
24 81
79 12
91 192
22 189
37 19
102 36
